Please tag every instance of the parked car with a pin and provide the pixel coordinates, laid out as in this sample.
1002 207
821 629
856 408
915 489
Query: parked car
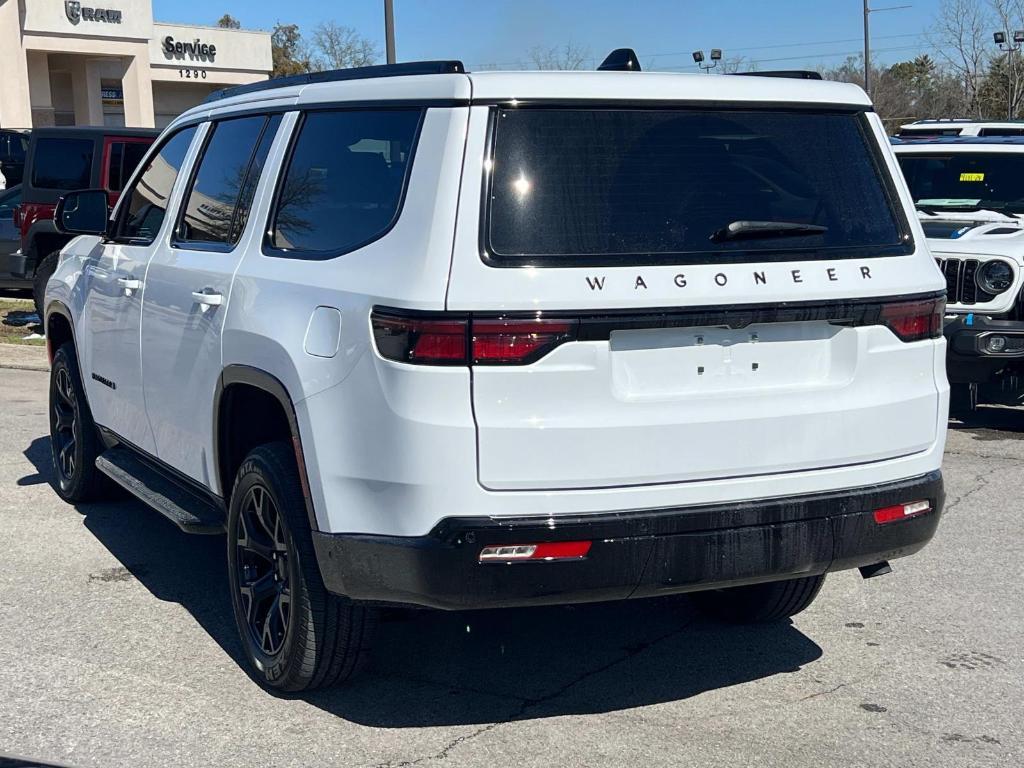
10 237
932 129
416 336
969 194
60 160
13 145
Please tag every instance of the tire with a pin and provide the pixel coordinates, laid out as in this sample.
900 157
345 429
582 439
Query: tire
760 603
74 440
296 635
43 272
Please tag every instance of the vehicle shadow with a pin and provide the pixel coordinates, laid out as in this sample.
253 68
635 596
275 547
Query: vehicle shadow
433 668
992 423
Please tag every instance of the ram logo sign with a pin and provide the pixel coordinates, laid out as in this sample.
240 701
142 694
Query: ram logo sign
76 13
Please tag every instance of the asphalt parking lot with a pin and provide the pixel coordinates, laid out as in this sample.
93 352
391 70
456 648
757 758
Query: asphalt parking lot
117 647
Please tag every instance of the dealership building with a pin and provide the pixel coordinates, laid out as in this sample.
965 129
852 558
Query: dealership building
106 62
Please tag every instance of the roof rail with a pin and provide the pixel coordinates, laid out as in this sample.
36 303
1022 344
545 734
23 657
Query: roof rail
337 75
794 74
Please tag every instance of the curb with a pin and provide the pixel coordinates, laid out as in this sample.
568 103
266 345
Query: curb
20 357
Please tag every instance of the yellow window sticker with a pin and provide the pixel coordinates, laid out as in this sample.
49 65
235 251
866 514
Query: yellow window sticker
972 177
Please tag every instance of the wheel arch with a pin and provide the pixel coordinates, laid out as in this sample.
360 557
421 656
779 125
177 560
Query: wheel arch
59 328
237 385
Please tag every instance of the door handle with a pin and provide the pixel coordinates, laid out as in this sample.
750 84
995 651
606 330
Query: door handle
129 284
207 298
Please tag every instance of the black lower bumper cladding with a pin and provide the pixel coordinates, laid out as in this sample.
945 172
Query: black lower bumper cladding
633 553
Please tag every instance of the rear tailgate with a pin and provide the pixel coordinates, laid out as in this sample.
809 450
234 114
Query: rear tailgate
690 362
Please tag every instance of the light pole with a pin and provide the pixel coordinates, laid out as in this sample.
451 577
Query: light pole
698 59
1009 48
389 29
868 10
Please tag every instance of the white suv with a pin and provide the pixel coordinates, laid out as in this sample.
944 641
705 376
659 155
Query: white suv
417 336
970 198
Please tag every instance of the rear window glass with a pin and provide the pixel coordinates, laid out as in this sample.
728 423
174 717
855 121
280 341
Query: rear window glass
62 163
965 181
125 157
574 187
344 182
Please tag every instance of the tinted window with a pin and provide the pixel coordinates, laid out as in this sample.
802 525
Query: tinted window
966 181
62 163
607 186
144 212
345 179
125 156
211 202
252 178
1001 132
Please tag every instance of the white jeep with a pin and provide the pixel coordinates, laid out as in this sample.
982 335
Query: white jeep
969 194
412 335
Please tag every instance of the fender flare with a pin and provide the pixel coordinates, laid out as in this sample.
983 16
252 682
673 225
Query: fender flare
260 379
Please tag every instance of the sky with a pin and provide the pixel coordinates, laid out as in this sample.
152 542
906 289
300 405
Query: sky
781 34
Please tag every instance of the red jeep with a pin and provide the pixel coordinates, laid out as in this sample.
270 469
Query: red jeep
59 161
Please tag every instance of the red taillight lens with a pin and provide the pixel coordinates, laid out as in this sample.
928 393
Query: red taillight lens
901 511
518 341
411 339
452 340
915 320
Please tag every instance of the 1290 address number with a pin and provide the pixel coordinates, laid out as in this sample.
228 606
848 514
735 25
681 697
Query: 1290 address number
192 74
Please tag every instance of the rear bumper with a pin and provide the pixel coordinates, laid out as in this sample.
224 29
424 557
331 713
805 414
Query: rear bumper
634 553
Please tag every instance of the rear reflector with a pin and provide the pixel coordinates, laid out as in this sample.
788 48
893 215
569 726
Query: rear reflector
901 511
915 320
557 550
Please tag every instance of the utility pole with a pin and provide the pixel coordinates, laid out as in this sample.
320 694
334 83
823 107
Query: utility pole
868 10
389 29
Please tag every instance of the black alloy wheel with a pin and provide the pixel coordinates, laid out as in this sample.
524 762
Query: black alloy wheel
65 425
262 575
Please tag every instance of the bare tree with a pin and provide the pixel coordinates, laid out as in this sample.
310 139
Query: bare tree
961 35
568 57
735 64
339 47
1009 16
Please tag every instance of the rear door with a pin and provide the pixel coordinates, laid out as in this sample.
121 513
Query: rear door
715 284
187 288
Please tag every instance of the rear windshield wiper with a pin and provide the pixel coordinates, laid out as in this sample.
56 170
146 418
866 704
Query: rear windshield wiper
749 230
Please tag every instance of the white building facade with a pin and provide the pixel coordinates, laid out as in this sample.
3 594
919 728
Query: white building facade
106 62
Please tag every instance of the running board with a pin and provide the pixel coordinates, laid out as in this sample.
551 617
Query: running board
188 510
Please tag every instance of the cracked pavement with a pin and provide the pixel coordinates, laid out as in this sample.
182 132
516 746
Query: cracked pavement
117 647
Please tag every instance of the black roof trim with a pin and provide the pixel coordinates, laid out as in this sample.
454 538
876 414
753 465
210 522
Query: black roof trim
792 74
335 75
91 131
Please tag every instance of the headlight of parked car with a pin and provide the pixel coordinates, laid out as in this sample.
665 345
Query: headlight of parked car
995 277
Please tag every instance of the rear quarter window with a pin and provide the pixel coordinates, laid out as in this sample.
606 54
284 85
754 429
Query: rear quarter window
344 181
62 163
575 187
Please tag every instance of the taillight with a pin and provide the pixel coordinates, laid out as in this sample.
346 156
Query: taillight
422 340
915 320
518 342
455 340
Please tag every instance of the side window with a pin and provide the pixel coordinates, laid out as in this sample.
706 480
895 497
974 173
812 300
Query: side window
215 199
125 156
62 164
114 163
344 181
143 213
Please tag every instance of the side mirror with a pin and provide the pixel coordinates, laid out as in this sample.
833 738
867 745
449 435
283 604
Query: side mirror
82 213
